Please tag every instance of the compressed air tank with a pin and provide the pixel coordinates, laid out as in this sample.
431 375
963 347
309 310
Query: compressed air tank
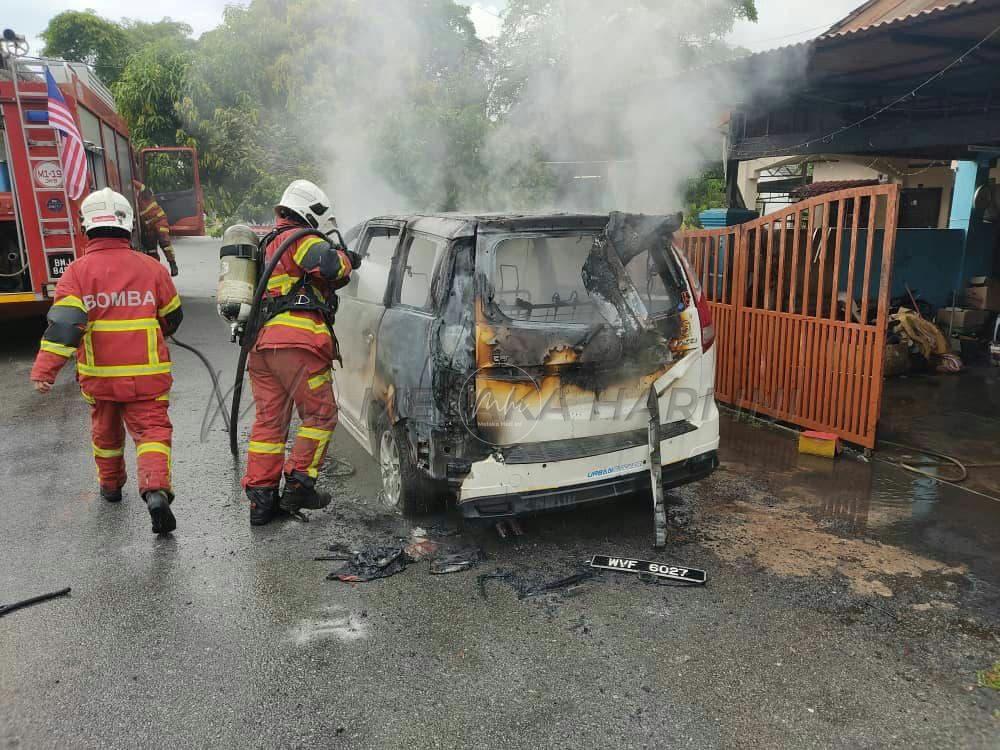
238 267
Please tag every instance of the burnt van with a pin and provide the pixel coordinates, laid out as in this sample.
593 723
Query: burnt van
511 363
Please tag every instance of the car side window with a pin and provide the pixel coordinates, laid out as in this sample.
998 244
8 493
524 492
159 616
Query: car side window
417 272
369 282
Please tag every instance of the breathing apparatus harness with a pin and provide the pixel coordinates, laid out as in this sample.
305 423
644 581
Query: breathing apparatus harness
302 297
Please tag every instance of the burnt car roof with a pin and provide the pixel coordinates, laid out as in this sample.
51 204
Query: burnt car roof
452 225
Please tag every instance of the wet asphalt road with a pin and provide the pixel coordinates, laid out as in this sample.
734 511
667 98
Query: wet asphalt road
223 636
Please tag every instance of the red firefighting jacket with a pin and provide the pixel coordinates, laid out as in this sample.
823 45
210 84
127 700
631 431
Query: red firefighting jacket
112 309
155 229
328 268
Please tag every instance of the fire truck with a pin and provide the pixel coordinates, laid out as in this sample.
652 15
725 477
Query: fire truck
40 234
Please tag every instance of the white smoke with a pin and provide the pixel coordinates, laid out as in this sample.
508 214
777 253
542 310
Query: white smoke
631 110
605 94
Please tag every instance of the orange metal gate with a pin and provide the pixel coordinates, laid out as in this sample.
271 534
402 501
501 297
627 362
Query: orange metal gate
801 301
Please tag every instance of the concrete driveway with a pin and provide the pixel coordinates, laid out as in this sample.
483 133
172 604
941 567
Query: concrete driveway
848 605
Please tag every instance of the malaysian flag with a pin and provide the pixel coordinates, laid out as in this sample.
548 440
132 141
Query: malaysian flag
74 158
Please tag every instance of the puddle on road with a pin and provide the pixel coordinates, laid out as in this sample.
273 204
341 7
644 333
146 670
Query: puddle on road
803 515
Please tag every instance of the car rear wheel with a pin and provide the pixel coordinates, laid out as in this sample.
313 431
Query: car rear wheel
404 489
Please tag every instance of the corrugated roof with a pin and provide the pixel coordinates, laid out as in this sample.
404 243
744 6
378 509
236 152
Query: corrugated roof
828 186
860 31
875 12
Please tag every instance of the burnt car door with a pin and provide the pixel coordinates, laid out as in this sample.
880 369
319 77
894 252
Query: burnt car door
362 305
403 371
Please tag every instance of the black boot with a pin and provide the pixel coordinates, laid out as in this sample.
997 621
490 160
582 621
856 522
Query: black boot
111 496
263 504
158 504
301 494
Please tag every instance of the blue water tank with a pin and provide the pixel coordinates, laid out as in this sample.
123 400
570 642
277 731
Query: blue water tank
713 218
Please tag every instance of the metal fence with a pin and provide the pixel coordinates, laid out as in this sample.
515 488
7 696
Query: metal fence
801 301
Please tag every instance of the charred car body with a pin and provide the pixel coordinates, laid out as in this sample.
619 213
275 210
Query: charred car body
507 360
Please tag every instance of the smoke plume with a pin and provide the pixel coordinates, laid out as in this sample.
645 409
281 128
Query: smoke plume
586 105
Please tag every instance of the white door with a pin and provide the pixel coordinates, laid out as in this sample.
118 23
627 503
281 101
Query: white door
362 303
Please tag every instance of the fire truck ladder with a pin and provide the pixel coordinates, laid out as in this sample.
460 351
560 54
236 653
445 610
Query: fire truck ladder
56 228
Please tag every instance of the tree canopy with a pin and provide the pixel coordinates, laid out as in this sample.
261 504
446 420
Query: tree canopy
83 36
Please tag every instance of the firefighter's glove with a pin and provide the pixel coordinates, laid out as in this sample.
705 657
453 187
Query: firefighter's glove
354 258
174 270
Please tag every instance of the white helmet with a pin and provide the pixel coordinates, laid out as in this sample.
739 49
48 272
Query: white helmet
309 202
106 208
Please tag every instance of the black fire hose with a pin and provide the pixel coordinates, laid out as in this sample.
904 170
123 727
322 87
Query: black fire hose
251 329
220 400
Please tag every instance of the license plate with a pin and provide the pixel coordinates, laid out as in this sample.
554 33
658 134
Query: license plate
660 570
58 264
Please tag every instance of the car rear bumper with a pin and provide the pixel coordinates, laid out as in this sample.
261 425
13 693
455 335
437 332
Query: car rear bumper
526 503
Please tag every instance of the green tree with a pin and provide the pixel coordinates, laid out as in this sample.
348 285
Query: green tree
310 87
706 190
149 92
143 33
84 36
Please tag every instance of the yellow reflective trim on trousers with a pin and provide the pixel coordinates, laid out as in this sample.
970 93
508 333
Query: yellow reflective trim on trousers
313 470
108 452
153 447
287 319
164 397
282 282
118 371
276 449
54 348
143 448
138 324
314 433
169 307
318 380
70 300
89 399
322 438
303 248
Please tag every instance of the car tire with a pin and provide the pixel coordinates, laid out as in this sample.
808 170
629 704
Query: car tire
404 487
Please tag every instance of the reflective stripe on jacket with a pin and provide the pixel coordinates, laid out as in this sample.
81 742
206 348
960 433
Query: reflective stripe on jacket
113 307
327 269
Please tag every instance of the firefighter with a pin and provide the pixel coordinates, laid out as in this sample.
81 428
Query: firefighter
154 229
113 309
290 363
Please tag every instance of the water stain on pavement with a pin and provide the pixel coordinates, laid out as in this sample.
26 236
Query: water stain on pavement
339 624
870 522
791 543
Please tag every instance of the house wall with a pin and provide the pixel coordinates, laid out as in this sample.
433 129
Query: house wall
929 262
859 168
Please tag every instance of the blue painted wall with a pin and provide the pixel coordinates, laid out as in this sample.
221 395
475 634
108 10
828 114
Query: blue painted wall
929 261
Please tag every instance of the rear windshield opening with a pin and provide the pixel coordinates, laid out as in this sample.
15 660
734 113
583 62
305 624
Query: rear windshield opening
539 279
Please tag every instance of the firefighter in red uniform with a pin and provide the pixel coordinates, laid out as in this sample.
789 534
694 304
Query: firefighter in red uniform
113 307
154 227
291 361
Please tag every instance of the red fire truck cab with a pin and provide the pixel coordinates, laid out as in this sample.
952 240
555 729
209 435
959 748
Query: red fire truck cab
40 233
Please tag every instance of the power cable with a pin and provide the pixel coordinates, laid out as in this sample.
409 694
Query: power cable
796 33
